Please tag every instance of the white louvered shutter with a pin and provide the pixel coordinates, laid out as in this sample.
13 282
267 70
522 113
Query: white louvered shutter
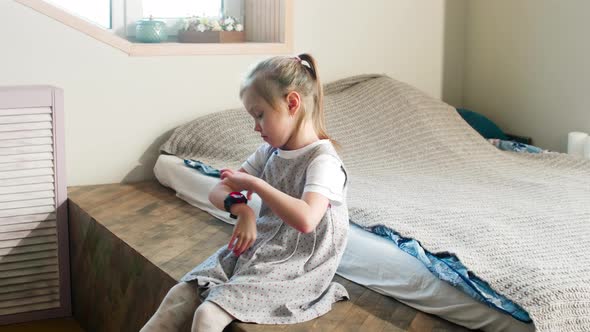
33 229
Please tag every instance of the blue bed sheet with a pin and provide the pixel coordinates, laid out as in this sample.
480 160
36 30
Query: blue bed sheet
447 267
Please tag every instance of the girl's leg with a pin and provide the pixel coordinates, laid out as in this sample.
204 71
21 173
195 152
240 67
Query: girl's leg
209 317
176 309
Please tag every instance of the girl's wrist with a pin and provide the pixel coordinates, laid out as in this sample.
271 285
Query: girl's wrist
256 185
240 209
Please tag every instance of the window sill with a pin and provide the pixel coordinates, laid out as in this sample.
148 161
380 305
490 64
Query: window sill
168 48
137 49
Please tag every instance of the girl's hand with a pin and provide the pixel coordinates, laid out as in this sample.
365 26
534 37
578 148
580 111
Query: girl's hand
239 181
244 233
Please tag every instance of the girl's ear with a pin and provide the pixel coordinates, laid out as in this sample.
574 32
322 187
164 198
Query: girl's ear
293 102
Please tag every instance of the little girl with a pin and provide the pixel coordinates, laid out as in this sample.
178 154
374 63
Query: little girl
278 267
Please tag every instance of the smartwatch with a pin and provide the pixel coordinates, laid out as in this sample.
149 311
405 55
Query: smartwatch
235 197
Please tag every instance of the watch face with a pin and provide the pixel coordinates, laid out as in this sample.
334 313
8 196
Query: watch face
236 195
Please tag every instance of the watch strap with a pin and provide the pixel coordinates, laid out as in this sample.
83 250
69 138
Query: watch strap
232 198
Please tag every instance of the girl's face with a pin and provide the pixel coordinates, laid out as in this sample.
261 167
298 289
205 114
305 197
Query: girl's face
276 126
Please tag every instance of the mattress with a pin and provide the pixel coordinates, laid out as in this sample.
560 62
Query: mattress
369 260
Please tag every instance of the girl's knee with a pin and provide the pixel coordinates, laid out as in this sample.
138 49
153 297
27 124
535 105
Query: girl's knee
205 311
182 287
183 291
175 310
210 317
183 297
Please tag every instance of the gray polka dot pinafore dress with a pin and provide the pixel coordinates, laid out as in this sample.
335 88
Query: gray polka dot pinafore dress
286 276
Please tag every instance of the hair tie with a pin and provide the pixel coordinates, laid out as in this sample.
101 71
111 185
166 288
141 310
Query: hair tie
305 65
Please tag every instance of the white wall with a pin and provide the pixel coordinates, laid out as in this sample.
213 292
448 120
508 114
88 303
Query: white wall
119 108
528 66
454 52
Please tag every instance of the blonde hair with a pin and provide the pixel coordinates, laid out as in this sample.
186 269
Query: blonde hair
273 78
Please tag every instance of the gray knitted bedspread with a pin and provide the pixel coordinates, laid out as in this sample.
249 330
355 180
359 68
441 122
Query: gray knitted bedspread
519 221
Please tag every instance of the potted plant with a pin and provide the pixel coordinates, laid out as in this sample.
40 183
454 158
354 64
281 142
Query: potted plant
212 30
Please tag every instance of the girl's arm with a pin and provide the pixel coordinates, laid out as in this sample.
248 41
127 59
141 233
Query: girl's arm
244 233
302 214
218 194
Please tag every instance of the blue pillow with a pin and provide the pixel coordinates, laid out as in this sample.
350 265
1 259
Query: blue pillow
484 126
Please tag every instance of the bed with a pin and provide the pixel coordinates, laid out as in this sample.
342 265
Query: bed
517 223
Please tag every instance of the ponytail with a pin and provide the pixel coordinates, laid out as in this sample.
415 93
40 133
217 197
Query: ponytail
318 119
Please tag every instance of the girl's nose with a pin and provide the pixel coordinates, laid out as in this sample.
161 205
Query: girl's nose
257 127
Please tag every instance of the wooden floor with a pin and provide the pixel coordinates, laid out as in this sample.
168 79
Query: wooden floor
49 325
158 237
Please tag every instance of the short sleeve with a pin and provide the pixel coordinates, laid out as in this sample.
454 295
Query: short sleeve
254 165
326 176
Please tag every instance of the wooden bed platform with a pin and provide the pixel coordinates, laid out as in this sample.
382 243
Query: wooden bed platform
130 243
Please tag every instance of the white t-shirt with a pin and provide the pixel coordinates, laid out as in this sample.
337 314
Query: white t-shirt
324 174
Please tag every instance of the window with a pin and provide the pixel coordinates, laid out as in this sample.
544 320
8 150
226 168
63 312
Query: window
181 8
172 12
96 11
267 24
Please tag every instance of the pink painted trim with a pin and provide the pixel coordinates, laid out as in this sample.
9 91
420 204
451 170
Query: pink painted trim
47 96
25 96
61 200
